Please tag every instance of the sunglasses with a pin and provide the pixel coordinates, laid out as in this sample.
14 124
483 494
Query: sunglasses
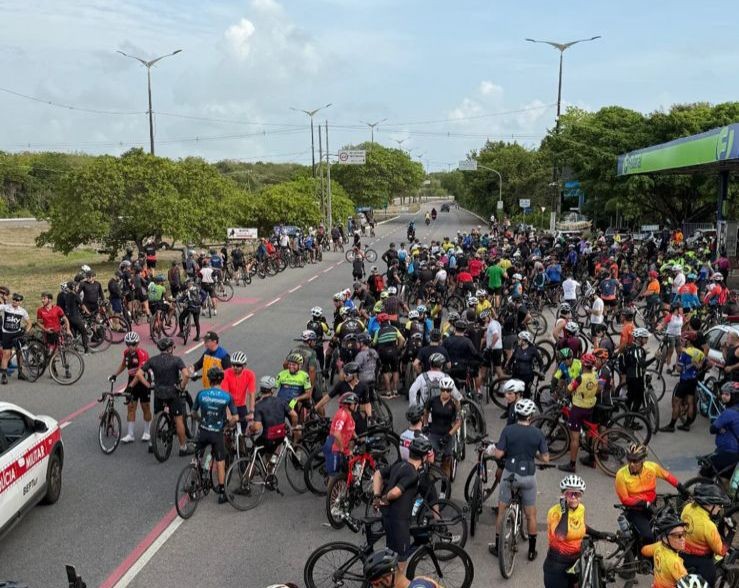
678 535
573 494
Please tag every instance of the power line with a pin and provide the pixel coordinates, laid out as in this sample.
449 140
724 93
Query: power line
66 106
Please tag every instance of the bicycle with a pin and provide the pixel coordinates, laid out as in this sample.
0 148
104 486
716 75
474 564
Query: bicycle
222 290
249 476
367 253
109 429
163 323
194 483
165 430
480 484
513 527
595 570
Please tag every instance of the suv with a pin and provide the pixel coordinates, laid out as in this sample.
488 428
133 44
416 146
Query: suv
31 459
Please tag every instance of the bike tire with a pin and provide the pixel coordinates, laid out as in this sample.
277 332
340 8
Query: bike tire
224 292
475 504
538 324
447 513
496 394
316 477
117 336
652 409
66 366
381 411
610 449
295 468
34 360
336 492
185 331
187 419
245 483
370 255
349 255
475 421
556 434
627 420
658 383
163 437
343 564
445 563
187 492
109 431
507 544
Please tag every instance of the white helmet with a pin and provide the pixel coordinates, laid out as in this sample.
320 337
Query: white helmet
392 290
413 314
339 297
267 383
86 268
481 293
517 277
524 407
446 383
308 335
515 386
131 338
572 327
384 294
641 333
717 277
526 336
572 482
316 312
692 581
565 307
472 301
238 358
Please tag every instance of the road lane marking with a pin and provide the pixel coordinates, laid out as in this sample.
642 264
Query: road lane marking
272 302
242 319
313 278
328 269
296 288
78 412
65 424
194 347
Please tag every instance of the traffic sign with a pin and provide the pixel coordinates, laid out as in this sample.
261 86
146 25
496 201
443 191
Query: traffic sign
500 205
524 203
241 233
649 228
353 157
467 165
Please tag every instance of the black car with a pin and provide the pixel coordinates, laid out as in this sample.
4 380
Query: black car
445 207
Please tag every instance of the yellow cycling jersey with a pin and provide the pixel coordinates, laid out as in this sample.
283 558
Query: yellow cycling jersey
484 305
447 245
572 372
566 542
505 263
702 535
584 390
668 565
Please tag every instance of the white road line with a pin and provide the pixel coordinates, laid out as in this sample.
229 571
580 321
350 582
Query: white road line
313 278
65 424
242 319
133 571
194 347
328 269
272 302
296 288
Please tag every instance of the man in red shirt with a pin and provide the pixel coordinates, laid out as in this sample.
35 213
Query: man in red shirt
133 358
51 318
241 384
475 266
342 430
465 281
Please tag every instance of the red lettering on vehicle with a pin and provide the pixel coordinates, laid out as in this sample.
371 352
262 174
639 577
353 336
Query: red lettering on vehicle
28 460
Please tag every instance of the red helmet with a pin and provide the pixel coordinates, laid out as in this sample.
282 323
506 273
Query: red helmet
383 317
588 360
653 274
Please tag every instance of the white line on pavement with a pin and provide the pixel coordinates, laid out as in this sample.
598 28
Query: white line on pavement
296 288
65 424
148 554
272 302
194 347
242 319
313 278
328 269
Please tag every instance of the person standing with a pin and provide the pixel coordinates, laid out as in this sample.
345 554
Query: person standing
241 383
133 358
15 324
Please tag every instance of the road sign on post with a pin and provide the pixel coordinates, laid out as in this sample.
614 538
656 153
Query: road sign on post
352 157
500 205
467 165
241 233
524 203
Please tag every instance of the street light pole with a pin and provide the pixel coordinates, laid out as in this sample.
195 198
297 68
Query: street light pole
500 184
148 65
400 143
372 128
311 114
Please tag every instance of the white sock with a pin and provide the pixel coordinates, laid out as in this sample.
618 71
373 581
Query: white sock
130 428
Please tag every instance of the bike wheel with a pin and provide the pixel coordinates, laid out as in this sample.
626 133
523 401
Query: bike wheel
109 431
382 413
538 325
335 564
475 421
496 394
66 366
187 419
169 324
610 449
652 409
186 329
445 563
337 499
245 483
34 360
370 255
124 326
635 423
349 255
449 517
187 493
658 383
556 434
316 477
456 303
507 544
295 462
163 437
224 292
543 397
475 503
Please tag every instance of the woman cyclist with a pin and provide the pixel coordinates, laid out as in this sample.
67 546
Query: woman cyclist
669 568
442 414
525 361
381 571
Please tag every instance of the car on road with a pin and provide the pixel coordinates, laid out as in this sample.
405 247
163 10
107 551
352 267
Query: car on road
31 460
716 337
445 207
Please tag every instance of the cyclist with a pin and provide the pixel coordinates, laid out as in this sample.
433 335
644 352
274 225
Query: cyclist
133 358
568 369
394 489
241 384
351 383
381 570
208 278
319 326
51 319
270 414
570 339
421 362
342 432
388 341
525 361
156 294
634 364
68 300
307 348
636 487
703 541
462 353
513 390
217 411
293 384
442 414
167 375
213 356
690 362
91 293
627 330
15 324
669 532
414 415
726 429
428 383
411 232
520 444
192 301
367 361
584 390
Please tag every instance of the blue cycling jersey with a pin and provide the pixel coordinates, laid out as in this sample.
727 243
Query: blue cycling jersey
727 425
212 403
216 262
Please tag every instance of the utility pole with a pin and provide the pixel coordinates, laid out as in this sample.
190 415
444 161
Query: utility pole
311 114
328 180
324 210
148 65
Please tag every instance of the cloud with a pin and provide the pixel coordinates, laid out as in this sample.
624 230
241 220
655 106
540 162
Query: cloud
488 88
238 38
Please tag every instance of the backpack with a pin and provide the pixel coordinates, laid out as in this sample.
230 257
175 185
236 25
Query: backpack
317 328
433 388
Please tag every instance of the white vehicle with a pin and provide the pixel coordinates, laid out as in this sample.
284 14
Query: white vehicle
31 459
716 338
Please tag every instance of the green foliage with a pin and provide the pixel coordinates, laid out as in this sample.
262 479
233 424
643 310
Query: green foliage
255 176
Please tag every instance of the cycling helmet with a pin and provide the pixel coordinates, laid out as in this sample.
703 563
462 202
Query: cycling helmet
665 522
159 278
641 333
446 383
165 343
343 311
692 581
419 447
480 293
709 495
453 316
384 317
437 360
524 407
131 338
421 308
316 312
572 327
215 375
417 337
601 353
338 297
588 360
349 398
628 312
364 338
565 353
565 308
517 276
267 383
730 388
308 335
526 336
717 277
85 268
392 290
351 368
413 314
636 452
460 325
384 295
485 314
691 277
62 287
238 358
572 482
377 307
415 413
379 564
295 358
515 386
472 301
653 274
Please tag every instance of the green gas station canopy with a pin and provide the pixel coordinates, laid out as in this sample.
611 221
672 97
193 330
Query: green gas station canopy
713 151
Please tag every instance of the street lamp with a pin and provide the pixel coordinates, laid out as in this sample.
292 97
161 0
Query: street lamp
147 65
562 47
311 114
472 165
372 128
400 143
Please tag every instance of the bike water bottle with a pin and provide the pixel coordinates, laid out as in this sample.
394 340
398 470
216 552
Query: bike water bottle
11 367
206 463
416 506
734 484
623 524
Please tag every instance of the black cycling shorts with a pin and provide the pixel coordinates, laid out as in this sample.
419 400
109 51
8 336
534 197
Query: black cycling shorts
139 392
397 535
685 388
176 407
9 339
215 440
389 359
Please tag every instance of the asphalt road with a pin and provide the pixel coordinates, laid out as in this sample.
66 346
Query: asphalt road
115 519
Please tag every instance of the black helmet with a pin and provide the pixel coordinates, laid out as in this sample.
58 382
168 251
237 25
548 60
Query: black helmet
437 360
419 447
364 338
215 375
165 343
710 494
380 563
666 522
414 413
351 368
435 335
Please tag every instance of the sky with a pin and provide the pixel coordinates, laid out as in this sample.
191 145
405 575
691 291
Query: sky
446 75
